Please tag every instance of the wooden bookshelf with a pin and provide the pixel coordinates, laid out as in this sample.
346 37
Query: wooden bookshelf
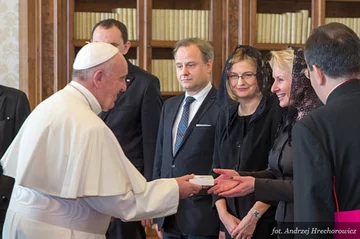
147 48
47 45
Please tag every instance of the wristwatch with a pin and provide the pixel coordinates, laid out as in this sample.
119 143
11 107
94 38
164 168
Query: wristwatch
255 212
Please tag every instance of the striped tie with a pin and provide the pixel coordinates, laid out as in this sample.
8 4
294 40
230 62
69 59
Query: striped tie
183 124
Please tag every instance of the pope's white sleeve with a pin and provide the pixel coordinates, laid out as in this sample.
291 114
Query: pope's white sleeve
159 199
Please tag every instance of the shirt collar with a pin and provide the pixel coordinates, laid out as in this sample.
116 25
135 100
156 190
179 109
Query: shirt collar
341 83
200 96
93 102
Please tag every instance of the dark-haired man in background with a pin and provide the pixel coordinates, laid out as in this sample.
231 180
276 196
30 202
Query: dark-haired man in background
326 142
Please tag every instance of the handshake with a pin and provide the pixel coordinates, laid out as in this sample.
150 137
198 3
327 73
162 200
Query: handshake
192 184
228 184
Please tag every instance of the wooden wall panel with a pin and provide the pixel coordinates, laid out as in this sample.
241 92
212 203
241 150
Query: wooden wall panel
44 34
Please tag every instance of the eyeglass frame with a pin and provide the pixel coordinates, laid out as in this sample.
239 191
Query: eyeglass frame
245 76
307 73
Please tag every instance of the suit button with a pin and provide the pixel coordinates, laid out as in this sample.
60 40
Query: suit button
4 199
173 165
238 144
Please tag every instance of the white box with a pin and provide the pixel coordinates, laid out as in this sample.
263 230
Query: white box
205 180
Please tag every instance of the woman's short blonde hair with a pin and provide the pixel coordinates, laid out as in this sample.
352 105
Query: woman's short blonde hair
283 59
239 55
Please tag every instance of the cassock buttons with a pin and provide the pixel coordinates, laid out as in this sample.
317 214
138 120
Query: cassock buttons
238 144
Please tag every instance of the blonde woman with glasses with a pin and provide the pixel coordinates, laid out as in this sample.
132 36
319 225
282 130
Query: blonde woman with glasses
244 136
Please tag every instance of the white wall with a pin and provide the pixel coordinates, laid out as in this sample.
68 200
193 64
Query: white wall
9 43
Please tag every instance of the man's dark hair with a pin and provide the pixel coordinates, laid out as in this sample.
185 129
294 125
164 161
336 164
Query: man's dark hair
109 23
335 49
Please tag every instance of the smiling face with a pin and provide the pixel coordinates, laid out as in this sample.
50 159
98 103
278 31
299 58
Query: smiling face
193 74
247 88
282 84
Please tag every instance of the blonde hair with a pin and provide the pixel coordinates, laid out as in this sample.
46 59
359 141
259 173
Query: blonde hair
283 59
239 55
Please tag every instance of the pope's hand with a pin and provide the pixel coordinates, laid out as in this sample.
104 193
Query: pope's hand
187 189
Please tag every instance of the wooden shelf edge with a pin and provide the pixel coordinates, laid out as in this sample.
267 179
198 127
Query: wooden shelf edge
163 44
343 1
81 43
275 46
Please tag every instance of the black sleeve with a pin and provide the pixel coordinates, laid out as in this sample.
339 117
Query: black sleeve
22 112
159 148
313 200
274 190
150 117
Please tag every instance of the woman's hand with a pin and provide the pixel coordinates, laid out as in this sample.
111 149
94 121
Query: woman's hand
224 182
245 186
236 186
230 222
246 228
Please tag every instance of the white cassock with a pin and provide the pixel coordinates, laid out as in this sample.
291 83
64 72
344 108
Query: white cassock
71 174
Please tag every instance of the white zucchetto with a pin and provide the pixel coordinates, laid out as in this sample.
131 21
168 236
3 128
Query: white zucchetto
93 54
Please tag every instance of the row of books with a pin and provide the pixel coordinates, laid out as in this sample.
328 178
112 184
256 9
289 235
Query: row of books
85 21
166 72
289 27
167 24
173 25
353 23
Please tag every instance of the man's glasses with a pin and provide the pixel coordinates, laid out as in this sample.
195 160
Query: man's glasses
307 73
234 78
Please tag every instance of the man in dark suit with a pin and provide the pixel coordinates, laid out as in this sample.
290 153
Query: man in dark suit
326 142
185 148
14 108
134 120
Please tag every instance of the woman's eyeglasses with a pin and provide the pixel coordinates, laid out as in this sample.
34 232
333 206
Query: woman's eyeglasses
234 78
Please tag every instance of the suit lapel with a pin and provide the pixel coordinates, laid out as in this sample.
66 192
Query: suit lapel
2 97
131 74
172 117
208 101
130 78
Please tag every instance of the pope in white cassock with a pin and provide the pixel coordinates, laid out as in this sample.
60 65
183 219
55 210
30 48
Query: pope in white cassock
65 160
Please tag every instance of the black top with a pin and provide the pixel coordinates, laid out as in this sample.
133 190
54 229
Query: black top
276 182
242 146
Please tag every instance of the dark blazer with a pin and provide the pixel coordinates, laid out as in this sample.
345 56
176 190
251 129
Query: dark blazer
327 137
235 151
135 118
14 108
195 215
276 182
